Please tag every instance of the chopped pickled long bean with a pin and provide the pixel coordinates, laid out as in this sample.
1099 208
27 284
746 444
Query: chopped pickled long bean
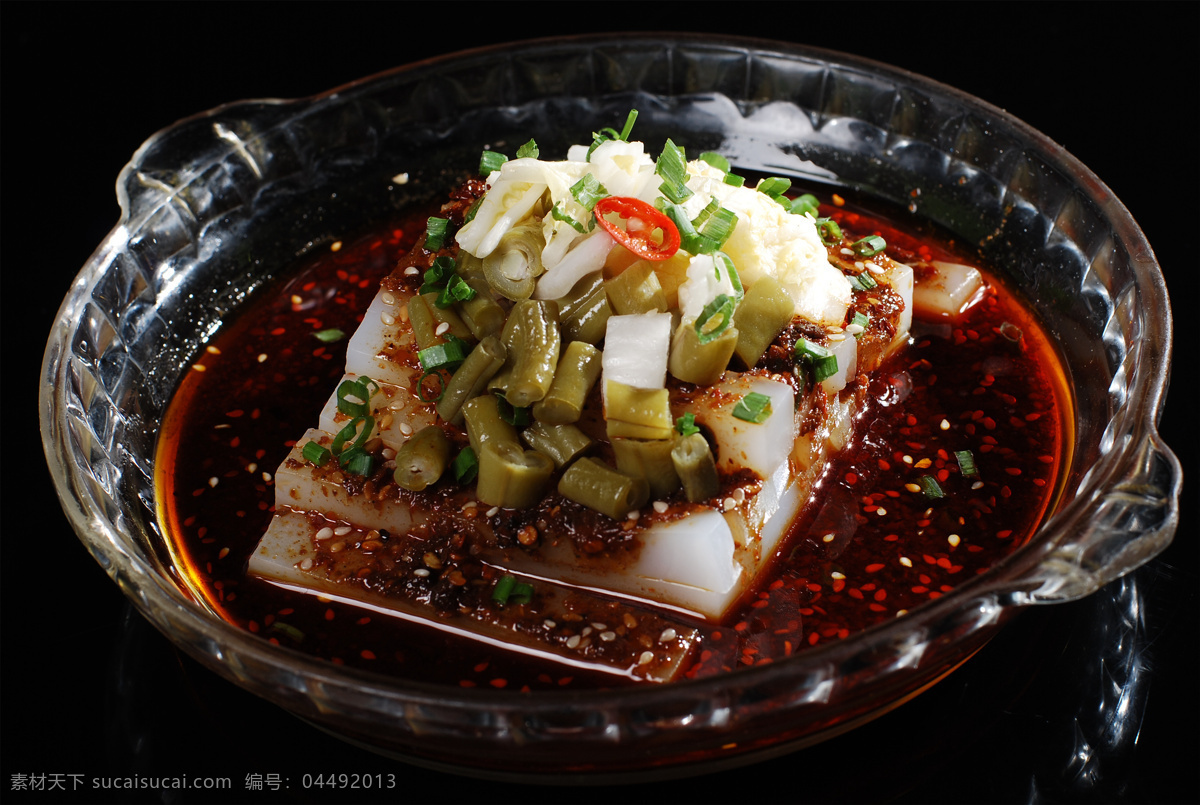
577 372
422 459
649 459
702 363
562 443
766 309
471 377
696 467
533 343
592 483
484 423
511 477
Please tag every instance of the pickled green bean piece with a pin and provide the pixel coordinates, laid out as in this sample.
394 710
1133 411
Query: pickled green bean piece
533 343
455 326
766 309
422 459
589 321
562 443
701 363
636 290
470 379
484 423
594 484
580 294
511 477
578 369
647 407
649 459
515 264
483 315
696 467
427 318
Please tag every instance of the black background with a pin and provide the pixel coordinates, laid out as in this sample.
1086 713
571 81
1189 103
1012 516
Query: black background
89 688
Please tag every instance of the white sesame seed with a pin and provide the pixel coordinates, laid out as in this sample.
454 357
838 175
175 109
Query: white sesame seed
587 630
296 299
387 318
944 425
739 495
442 328
599 627
573 641
954 540
266 476
324 533
251 467
907 459
633 515
222 426
412 271
881 511
470 504
342 530
859 265
874 269
211 350
854 329
646 658
388 454
337 546
336 246
213 481
492 512
977 485
608 637
388 298
667 635
847 251
900 612
828 538
904 560
406 428
837 337
837 574
729 504
262 357
199 367
306 564
660 506
549 624
421 571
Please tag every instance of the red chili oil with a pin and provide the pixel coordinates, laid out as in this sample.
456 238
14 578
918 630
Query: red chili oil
901 522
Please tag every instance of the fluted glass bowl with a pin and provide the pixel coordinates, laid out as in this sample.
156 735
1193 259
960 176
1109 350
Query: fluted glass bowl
217 205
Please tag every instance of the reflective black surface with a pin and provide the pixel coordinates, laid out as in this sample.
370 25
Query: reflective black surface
1094 701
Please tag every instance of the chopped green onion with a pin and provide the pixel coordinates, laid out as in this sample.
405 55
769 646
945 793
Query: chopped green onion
774 186
517 417
443 356
715 318
672 167
731 271
440 270
465 466
509 590
930 487
522 593
824 363
754 407
629 121
289 630
562 215
734 180
348 432
357 462
716 160
869 246
719 227
606 134
1011 331
360 389
830 232
529 149
587 191
686 424
966 463
441 389
456 290
435 233
316 454
470 216
329 336
863 281
806 204
716 227
491 161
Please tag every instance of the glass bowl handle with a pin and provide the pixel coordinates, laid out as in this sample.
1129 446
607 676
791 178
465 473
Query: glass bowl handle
1127 521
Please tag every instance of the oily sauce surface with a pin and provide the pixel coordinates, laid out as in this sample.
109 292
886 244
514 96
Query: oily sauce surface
878 546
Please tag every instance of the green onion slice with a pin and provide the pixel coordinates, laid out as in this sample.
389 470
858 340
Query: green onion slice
456 290
316 454
774 186
806 204
329 336
716 160
587 191
715 318
606 134
930 487
966 463
869 246
562 215
686 424
863 281
754 407
734 180
824 363
529 149
288 629
465 466
435 233
672 167
731 271
829 231
428 395
491 161
357 462
517 417
348 432
360 389
444 356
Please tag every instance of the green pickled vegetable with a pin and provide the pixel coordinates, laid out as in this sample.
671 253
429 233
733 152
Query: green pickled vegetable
650 460
589 321
482 314
763 314
594 484
576 374
562 443
515 264
637 413
427 320
484 422
701 362
471 377
696 467
511 477
636 290
422 459
533 342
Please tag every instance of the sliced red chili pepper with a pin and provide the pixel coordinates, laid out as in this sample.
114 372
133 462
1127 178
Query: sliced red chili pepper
641 219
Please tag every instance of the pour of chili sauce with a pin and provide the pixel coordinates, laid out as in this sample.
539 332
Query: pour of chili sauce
899 522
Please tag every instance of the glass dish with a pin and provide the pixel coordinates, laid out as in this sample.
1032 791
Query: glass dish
216 206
